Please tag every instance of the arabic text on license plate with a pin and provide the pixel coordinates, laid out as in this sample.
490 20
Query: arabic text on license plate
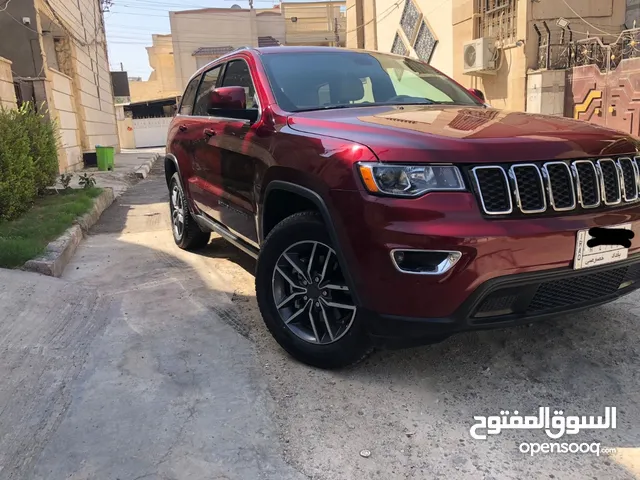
601 255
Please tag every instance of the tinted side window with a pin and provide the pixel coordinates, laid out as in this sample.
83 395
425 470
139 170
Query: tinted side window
186 106
209 81
237 75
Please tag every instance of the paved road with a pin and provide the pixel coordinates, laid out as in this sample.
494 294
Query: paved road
150 362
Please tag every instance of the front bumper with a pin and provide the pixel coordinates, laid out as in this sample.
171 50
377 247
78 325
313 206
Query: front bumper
518 299
501 259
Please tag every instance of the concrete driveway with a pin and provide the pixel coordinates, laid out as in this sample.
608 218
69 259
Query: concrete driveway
145 361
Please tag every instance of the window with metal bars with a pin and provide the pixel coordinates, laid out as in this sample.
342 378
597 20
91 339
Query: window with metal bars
498 19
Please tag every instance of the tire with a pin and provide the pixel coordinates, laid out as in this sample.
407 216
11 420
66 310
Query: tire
187 235
336 337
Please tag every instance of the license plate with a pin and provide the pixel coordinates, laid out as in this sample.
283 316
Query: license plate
586 256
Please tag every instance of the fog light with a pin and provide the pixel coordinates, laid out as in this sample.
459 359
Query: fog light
424 262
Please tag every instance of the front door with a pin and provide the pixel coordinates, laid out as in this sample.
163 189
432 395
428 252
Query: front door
239 156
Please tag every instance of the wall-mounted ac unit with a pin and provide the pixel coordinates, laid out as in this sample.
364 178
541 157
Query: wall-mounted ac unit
479 57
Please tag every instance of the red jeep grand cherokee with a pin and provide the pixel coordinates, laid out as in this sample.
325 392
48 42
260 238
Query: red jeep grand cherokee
387 204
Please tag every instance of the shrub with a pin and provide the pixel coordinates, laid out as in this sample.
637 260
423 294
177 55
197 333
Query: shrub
17 177
44 136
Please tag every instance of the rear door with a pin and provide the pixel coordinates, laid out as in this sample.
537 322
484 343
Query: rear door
183 136
206 157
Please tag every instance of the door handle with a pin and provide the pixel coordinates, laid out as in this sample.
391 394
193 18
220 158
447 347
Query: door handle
182 128
209 132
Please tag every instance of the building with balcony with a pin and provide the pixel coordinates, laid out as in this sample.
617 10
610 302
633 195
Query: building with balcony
493 45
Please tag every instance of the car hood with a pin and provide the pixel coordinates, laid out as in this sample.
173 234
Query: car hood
454 134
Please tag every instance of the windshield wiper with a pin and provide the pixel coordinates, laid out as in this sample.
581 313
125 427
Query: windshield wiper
332 107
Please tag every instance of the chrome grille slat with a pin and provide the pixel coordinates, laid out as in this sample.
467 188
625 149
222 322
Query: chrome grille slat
528 188
629 171
587 183
493 189
609 181
562 193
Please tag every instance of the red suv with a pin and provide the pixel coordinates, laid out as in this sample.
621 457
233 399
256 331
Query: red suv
386 204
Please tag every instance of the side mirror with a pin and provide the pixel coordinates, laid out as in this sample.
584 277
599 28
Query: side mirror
227 98
477 93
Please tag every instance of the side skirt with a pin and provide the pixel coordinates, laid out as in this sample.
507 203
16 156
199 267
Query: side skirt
225 233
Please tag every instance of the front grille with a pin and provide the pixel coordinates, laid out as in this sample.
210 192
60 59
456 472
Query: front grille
581 289
542 297
559 186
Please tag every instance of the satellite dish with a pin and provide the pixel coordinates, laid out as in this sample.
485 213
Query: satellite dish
236 6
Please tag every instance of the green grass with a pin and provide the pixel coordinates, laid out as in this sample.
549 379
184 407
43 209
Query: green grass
27 237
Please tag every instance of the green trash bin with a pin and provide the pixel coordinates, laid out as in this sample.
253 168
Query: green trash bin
105 157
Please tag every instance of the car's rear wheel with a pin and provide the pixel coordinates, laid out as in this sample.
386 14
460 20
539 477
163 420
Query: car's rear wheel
186 232
304 298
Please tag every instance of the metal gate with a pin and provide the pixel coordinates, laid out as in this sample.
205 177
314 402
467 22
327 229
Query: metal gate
603 79
151 132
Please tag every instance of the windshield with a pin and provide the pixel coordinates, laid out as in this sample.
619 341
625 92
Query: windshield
321 80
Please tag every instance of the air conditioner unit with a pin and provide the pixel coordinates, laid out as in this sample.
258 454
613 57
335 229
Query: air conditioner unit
479 57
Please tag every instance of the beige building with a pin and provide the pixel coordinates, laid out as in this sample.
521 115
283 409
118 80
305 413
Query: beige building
440 33
59 61
200 36
162 81
315 23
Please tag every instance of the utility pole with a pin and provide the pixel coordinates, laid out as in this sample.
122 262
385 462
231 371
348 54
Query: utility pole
336 32
121 67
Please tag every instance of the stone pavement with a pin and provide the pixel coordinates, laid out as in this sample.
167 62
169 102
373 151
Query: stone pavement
123 175
131 366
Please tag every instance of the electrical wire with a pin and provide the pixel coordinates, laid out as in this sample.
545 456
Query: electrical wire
6 5
586 22
72 34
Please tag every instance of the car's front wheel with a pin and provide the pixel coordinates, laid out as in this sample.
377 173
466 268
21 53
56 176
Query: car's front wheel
304 298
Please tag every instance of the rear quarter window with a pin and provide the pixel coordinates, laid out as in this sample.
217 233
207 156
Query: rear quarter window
189 97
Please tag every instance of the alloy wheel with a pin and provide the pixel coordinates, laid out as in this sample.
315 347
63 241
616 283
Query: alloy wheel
310 293
177 212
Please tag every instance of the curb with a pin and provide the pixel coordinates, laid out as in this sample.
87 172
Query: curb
145 168
60 251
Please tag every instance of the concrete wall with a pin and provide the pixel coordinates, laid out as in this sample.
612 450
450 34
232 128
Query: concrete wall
633 13
213 27
439 18
19 44
88 67
64 108
546 92
125 128
315 23
506 88
271 25
162 81
7 91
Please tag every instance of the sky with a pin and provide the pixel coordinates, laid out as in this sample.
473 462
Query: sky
130 24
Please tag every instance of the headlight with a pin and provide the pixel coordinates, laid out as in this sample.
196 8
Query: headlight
409 180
